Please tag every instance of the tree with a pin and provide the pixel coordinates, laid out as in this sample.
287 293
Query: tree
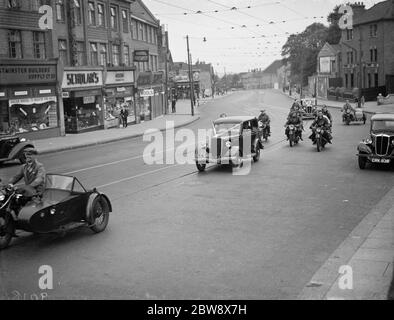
334 31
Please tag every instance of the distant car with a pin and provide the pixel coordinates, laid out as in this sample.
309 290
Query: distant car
227 144
309 108
379 147
12 147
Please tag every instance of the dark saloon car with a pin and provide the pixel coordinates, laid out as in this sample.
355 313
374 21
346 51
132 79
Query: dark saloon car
234 139
12 147
379 147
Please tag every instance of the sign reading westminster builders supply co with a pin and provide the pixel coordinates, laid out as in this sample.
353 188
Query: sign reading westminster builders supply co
27 74
82 79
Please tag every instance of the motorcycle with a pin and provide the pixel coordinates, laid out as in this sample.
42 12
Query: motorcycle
263 129
358 115
319 138
294 134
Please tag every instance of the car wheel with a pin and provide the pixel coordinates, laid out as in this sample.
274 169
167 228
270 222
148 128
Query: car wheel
201 166
238 163
100 214
7 230
362 163
256 158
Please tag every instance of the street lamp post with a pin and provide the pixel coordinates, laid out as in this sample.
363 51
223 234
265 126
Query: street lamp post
190 76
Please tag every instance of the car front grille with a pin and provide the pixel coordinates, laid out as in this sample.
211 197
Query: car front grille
382 144
309 109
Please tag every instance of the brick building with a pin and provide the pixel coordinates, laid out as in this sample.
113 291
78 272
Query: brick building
367 50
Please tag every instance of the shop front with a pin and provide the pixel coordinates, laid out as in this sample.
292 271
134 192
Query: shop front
150 96
83 100
119 93
28 100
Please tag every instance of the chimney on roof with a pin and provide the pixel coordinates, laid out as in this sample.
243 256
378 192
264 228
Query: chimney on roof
358 8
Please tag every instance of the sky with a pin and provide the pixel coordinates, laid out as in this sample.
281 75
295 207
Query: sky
240 34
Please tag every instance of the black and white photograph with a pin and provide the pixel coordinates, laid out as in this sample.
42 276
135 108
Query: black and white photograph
214 152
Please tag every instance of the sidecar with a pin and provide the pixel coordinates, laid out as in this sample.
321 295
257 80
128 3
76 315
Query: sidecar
65 205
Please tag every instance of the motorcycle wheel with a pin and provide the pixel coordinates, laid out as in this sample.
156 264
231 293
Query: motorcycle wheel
291 141
318 145
347 122
362 163
7 230
201 166
101 211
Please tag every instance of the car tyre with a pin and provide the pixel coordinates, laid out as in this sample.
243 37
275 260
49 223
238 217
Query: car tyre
362 163
201 166
100 209
256 158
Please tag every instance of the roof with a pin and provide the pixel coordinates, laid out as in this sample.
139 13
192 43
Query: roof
235 119
140 10
383 117
274 66
380 11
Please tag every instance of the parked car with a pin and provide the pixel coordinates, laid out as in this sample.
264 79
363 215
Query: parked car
65 205
227 146
379 147
12 148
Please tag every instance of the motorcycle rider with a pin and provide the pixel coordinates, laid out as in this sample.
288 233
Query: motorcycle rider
265 119
295 120
347 106
33 173
327 113
321 122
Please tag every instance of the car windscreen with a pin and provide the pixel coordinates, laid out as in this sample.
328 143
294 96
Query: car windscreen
225 128
383 125
59 182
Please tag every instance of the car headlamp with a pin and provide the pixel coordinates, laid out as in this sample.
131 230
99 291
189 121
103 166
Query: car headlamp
52 211
368 141
228 144
23 140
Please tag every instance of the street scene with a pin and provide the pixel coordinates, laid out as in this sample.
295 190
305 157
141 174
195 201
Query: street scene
147 158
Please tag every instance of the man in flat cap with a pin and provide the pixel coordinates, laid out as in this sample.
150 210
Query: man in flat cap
33 173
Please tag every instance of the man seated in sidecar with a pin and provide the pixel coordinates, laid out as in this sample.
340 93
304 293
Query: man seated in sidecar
33 173
347 106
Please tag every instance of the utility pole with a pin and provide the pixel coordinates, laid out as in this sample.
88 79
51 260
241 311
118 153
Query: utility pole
166 67
360 80
190 76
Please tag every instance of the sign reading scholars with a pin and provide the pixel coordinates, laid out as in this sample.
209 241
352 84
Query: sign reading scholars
82 79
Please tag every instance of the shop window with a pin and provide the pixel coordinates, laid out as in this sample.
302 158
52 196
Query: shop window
63 53
126 54
35 117
81 53
60 16
125 21
113 107
115 55
101 15
103 55
81 113
114 24
14 44
39 45
94 54
77 12
91 14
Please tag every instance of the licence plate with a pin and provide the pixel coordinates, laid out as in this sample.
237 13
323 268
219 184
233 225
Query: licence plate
377 160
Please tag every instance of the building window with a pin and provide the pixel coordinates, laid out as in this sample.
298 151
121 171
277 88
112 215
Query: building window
77 12
39 45
36 4
346 80
14 44
154 39
140 31
81 53
13 4
148 34
63 56
101 15
60 10
376 54
125 21
133 28
369 80
115 55
92 14
93 54
126 55
114 24
373 30
352 80
103 55
349 34
145 32
376 80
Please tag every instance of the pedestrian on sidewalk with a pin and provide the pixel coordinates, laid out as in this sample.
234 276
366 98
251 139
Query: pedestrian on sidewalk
362 101
124 114
173 104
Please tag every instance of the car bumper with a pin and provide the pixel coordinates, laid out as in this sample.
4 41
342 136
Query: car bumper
376 159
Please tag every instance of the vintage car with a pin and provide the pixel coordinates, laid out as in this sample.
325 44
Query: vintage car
309 108
379 147
234 140
12 147
65 205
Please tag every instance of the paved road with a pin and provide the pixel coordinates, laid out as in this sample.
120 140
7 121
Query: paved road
177 234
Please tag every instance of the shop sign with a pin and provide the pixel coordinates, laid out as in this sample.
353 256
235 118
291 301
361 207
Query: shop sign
65 95
47 91
2 94
119 77
147 93
121 89
89 99
141 55
29 101
27 74
82 79
21 93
